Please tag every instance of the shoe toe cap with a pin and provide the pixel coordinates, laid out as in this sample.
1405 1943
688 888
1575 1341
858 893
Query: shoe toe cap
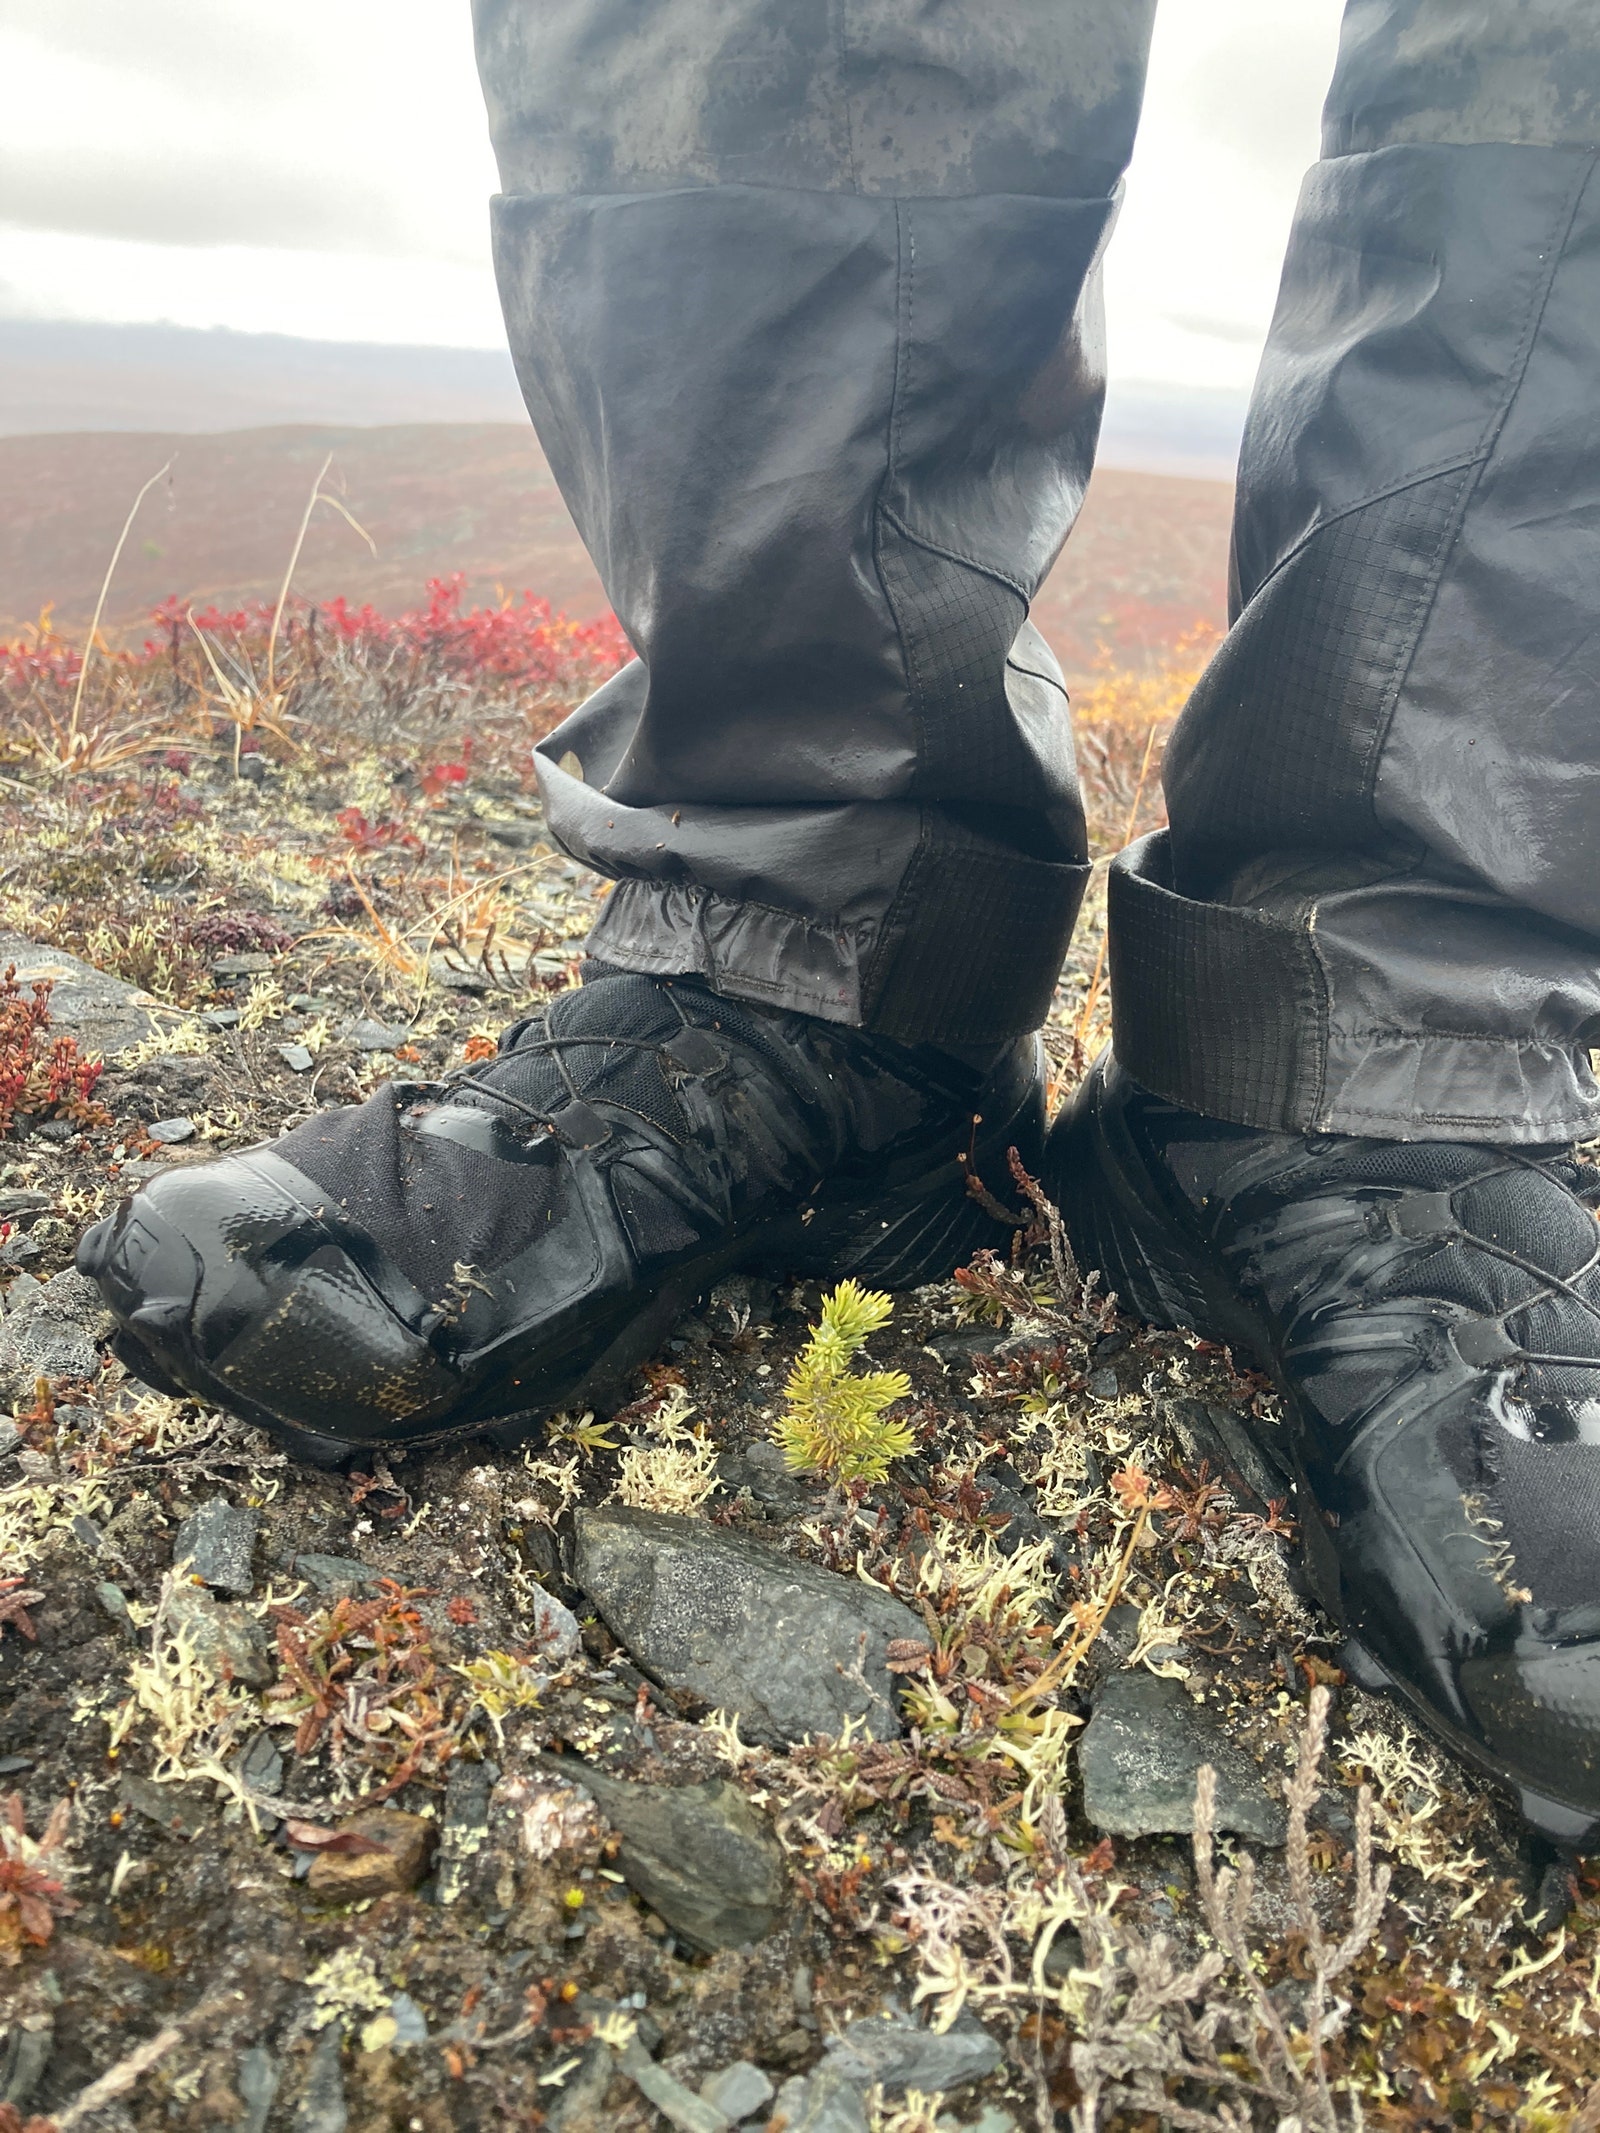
236 1290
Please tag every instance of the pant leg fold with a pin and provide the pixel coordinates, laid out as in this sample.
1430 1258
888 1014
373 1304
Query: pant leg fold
823 448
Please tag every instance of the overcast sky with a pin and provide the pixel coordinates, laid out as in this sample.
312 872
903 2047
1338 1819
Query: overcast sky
320 167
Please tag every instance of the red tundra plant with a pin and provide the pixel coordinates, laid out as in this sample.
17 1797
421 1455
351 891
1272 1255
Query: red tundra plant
41 1076
32 1896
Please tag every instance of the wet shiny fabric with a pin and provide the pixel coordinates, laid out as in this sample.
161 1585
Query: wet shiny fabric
804 302
1431 1313
472 1254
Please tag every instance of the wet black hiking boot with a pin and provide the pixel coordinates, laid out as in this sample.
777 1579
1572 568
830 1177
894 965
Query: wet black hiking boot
1431 1313
472 1255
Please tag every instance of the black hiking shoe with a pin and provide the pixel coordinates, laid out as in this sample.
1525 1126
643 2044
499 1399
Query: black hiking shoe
474 1254
1431 1313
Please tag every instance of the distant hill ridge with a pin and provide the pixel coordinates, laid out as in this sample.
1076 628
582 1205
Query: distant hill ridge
62 375
433 453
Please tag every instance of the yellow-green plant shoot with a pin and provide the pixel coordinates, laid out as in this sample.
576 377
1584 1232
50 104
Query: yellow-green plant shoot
834 1421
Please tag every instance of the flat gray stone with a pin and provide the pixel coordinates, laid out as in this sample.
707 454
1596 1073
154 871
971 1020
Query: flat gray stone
22 1200
679 2106
791 1648
228 1639
102 1012
258 2087
410 2023
1141 1754
900 2055
376 1036
831 2101
50 1330
322 2105
217 1542
171 1132
247 964
261 1764
175 1808
739 2091
297 1058
699 1855
334 1575
556 1635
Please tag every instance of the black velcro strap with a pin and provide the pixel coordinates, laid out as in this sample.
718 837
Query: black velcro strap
972 948
1218 1009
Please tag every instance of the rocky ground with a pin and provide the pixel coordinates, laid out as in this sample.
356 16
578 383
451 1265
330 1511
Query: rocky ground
631 1776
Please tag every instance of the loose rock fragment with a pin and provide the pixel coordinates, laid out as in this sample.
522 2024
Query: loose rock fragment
399 1861
1140 1757
49 1331
699 1855
680 2107
27 2053
226 1639
466 1824
258 2089
792 1649
322 2105
369 1036
410 2023
899 2055
333 1575
739 2091
105 1014
179 1812
217 1542
555 1635
171 1132
831 2101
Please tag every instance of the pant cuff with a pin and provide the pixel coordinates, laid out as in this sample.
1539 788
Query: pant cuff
1225 1011
969 953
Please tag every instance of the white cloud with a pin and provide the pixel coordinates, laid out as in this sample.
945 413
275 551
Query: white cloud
321 167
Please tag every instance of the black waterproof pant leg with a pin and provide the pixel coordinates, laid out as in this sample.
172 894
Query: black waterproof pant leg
803 298
1378 911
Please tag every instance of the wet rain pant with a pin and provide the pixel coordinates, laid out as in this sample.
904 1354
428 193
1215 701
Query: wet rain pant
804 299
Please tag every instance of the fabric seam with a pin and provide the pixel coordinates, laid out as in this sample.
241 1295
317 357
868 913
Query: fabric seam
954 555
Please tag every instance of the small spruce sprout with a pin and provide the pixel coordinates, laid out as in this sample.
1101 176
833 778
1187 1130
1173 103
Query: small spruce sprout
834 1422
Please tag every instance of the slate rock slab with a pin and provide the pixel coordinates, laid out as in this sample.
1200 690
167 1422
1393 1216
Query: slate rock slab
900 2055
699 1855
791 1648
1141 1754
830 2100
217 1542
227 1639
556 1636
334 1576
102 1012
50 1330
369 1036
738 2091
